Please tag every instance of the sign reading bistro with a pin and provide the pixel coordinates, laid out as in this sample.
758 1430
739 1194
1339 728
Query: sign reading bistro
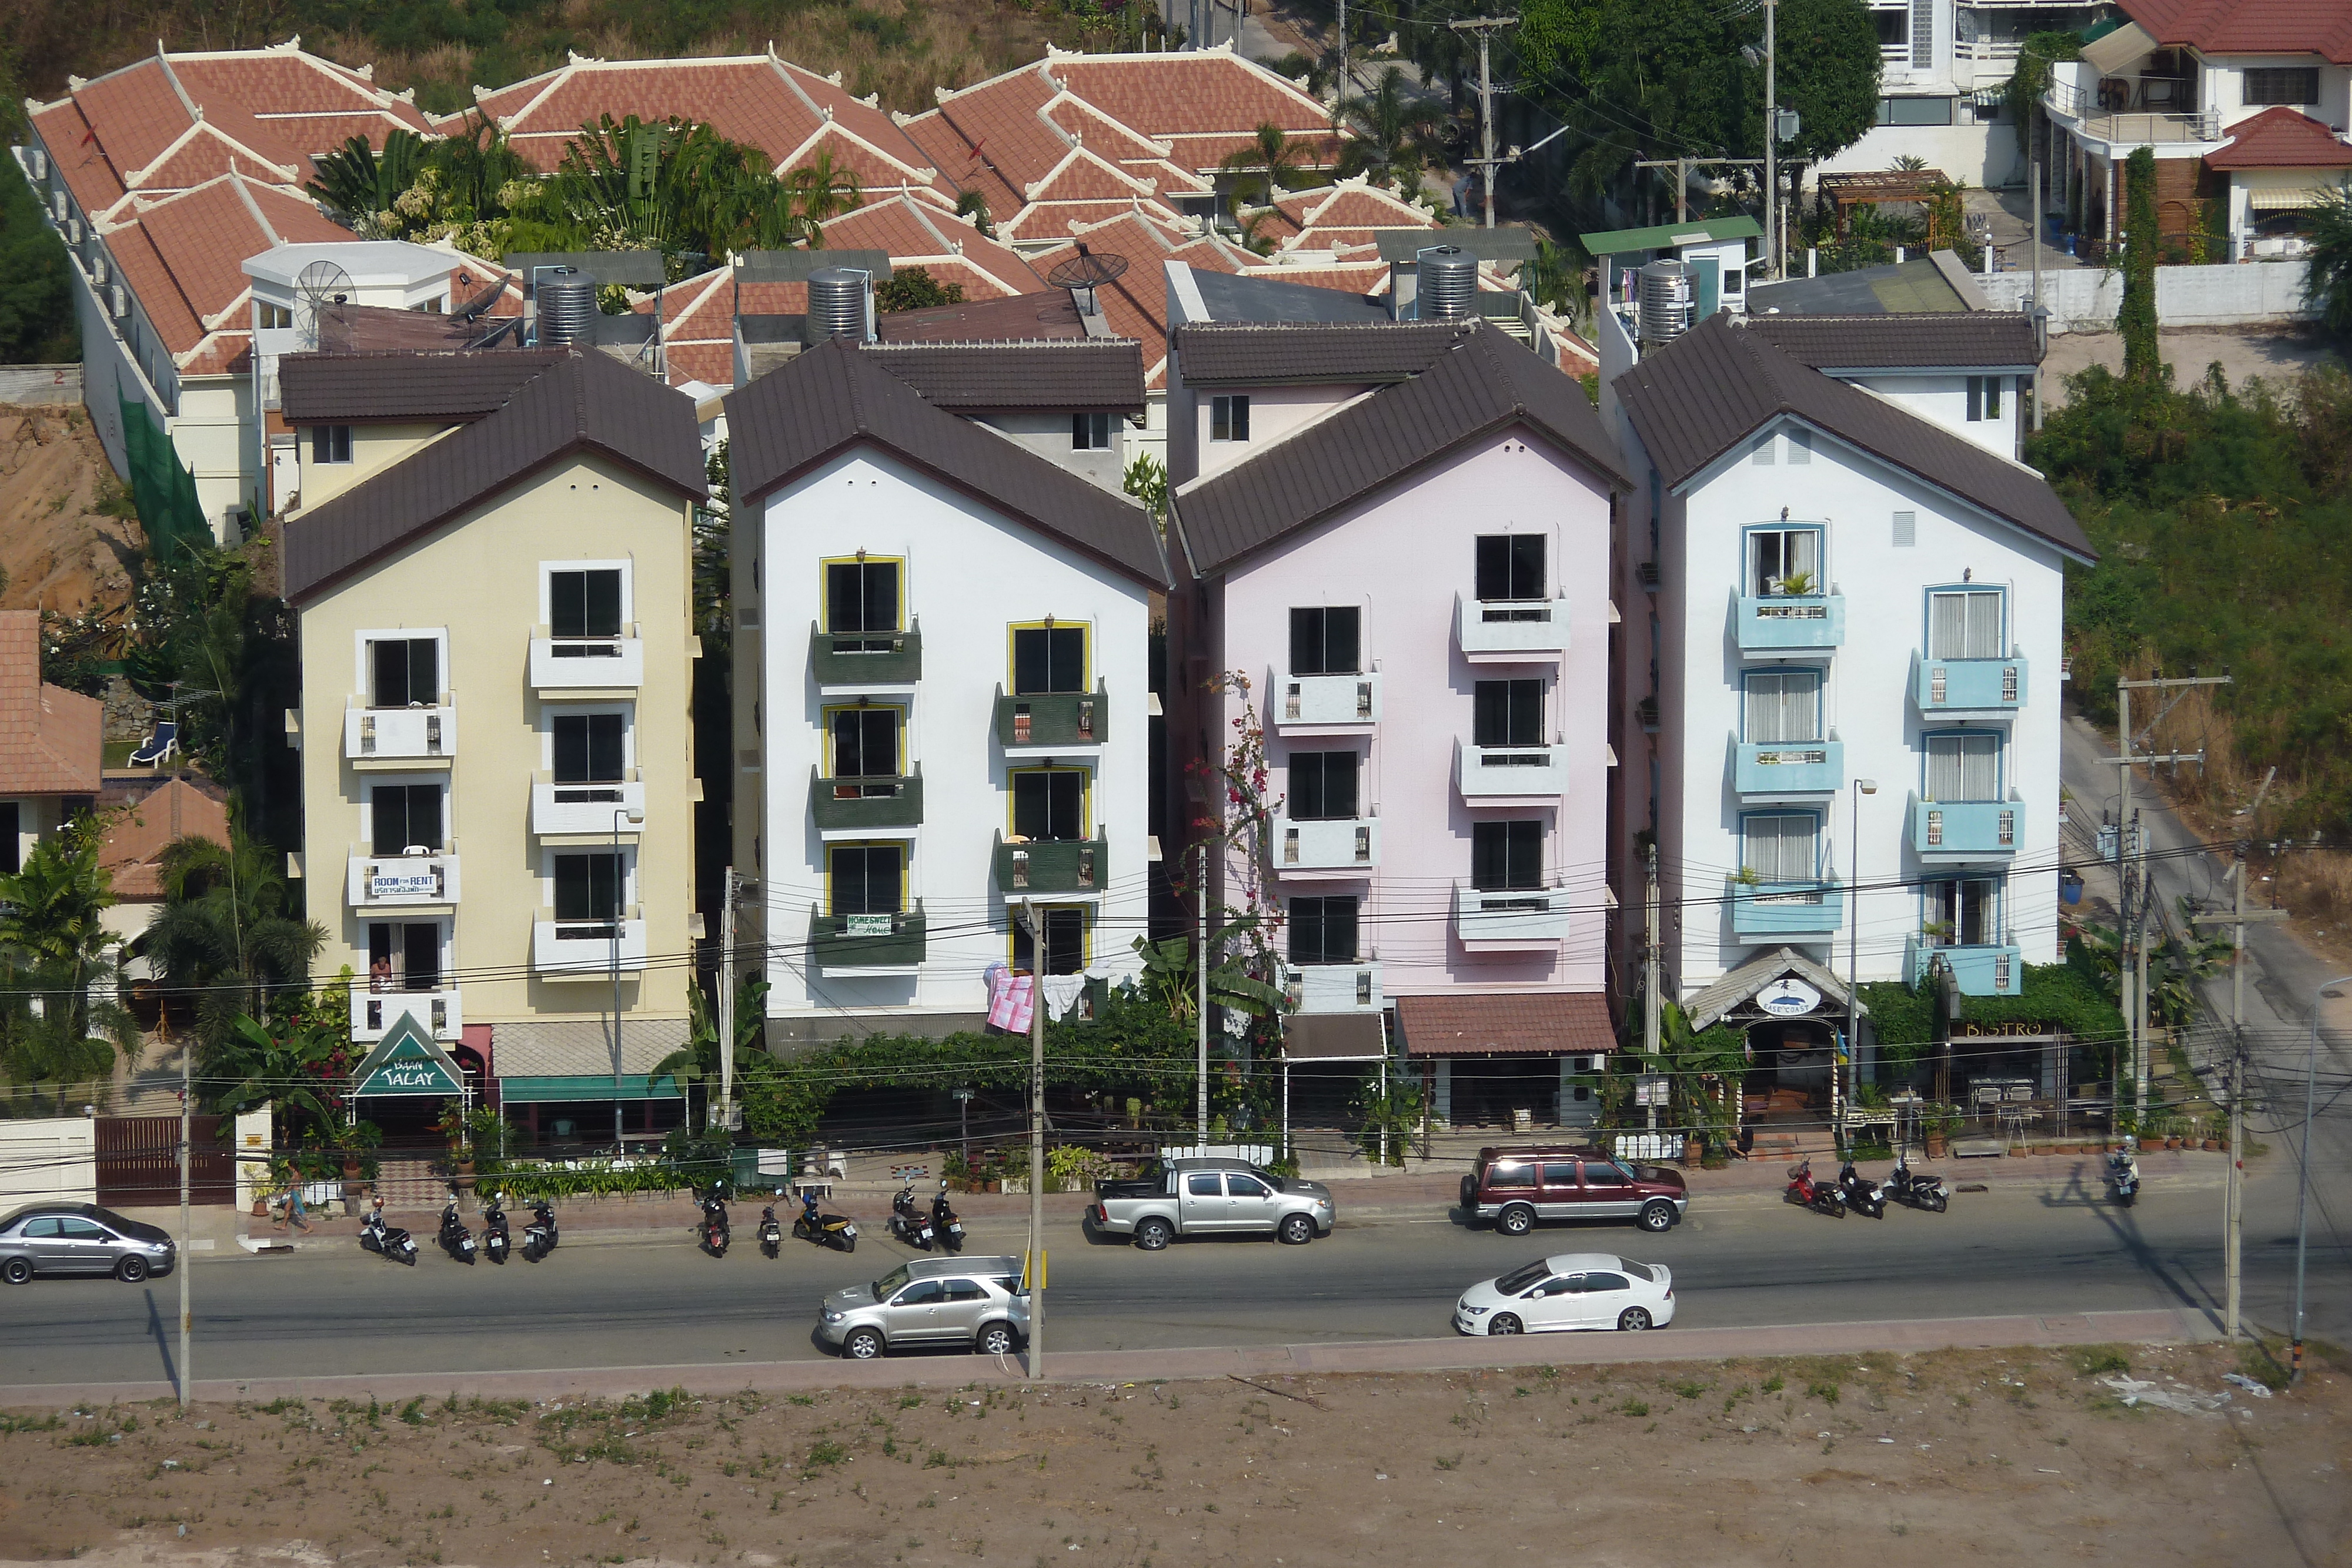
2008 1028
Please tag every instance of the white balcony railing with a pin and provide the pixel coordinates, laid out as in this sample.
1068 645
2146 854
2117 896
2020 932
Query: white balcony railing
583 950
401 734
1508 775
1511 630
376 1014
1332 987
1342 844
584 808
1501 920
1303 704
587 663
393 881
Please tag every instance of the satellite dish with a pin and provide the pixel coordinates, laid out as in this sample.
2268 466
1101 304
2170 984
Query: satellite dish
316 287
1083 274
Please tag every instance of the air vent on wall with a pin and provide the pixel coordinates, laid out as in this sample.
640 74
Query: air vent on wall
119 298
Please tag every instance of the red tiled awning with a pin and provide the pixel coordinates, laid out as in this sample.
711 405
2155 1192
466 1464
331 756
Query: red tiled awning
2281 138
1575 1023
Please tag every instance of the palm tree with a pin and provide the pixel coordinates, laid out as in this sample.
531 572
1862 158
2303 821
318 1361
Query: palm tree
819 191
1390 132
2327 287
357 183
1272 155
227 932
59 1023
50 910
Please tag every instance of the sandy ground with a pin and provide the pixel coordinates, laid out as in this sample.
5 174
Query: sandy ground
2004 1456
57 550
2244 353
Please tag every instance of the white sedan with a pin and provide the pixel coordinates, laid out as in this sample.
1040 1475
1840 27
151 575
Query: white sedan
1572 1291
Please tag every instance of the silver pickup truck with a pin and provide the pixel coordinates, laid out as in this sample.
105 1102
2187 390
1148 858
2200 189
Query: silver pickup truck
1205 1196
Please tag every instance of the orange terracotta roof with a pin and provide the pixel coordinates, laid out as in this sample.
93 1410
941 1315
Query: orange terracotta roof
917 233
174 808
1341 215
2280 138
1521 1024
201 237
2322 28
1135 304
1206 102
48 735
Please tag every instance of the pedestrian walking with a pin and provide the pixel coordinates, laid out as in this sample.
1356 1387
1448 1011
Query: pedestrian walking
297 1217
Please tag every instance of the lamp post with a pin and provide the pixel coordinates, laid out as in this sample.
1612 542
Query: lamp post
635 818
1854 931
2303 1178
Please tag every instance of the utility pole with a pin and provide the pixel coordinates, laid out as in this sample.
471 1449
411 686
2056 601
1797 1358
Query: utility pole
187 1261
1652 1004
1036 929
1200 1011
1487 161
726 1117
2041 318
2147 899
1771 137
1343 50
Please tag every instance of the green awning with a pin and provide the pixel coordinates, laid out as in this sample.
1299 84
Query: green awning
592 1086
1667 236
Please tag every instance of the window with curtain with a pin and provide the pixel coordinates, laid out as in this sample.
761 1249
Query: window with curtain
1964 624
1775 556
1507 856
867 879
1964 767
1048 659
1049 804
1783 847
404 815
1322 930
1961 911
1327 640
1322 785
861 596
1783 707
1506 713
588 747
865 743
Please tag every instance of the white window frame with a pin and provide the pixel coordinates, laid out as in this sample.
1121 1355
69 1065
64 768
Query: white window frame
625 566
361 640
548 712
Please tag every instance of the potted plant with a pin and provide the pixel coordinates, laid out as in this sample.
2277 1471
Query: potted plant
1745 876
1939 1124
1797 585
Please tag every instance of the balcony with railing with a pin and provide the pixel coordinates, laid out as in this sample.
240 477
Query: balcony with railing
1509 630
1979 970
1044 722
1967 688
406 736
1059 868
585 949
872 946
1507 920
865 808
580 809
1332 987
1327 848
850 662
1780 625
1324 704
572 664
1786 769
376 1014
2129 111
1509 775
401 882
1959 832
1774 911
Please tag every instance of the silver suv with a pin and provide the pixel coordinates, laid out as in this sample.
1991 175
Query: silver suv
972 1304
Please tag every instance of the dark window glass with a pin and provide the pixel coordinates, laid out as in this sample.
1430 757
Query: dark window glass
1510 566
1601 1173
583 604
47 1225
2283 84
1090 433
865 743
964 1290
1229 418
1065 942
331 444
401 815
11 862
1322 785
921 1293
1323 930
408 670
1203 1183
1048 659
1245 1186
1508 713
1049 804
420 955
1600 1282
867 879
588 747
861 596
1326 641
588 887
1505 856
1559 1173
1514 1173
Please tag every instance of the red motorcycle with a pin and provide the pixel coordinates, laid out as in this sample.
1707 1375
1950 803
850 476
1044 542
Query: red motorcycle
1806 1193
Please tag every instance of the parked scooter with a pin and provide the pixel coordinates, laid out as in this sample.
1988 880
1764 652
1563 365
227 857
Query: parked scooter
713 1232
454 1238
833 1230
1821 1197
1921 1192
388 1242
903 1215
2123 1172
772 1234
944 1221
1860 1194
496 1241
539 1237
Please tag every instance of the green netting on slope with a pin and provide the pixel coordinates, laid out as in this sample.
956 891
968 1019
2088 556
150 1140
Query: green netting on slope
162 486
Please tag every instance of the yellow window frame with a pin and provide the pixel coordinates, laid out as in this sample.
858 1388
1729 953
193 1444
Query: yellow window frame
1014 933
831 708
1086 797
1054 623
905 869
824 599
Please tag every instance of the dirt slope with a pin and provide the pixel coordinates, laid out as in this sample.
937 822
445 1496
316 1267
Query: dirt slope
58 550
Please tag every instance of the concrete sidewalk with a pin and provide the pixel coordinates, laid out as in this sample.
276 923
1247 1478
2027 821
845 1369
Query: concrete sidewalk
1452 1353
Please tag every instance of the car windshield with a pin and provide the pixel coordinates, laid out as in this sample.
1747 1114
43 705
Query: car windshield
1519 1279
108 1217
1639 1270
1622 1165
887 1285
1268 1177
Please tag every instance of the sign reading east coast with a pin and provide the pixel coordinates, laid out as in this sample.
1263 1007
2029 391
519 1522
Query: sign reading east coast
1788 998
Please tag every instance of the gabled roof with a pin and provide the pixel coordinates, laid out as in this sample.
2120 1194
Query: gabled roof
1700 396
1205 103
1252 353
1481 383
1347 213
1958 340
48 735
1134 303
836 396
951 249
581 401
395 387
172 809
2281 138
1091 373
1020 318
183 255
1735 989
2322 28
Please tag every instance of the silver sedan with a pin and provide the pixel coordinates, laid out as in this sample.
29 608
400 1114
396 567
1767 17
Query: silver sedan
81 1239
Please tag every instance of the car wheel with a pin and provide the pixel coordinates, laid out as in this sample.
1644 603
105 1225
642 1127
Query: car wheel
131 1271
1505 1323
1632 1320
1516 1220
1658 1217
16 1270
863 1344
1298 1229
995 1339
1152 1235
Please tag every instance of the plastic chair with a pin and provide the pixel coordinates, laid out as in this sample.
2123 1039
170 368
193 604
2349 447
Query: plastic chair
158 747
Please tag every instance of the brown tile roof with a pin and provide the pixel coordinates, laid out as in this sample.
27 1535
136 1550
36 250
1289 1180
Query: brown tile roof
917 233
835 396
1705 393
48 735
1206 102
1241 353
1345 214
174 809
1021 317
1481 383
1574 1023
407 386
1136 305
2281 138
2322 28
582 402
1981 340
1105 373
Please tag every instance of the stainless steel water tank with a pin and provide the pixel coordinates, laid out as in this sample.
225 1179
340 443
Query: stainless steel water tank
836 303
1664 301
1448 284
567 307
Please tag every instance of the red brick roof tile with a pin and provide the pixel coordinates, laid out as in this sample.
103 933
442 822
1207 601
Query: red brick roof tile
1575 1023
2282 138
48 735
2322 28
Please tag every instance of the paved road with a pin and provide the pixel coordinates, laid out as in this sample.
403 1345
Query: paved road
1742 1261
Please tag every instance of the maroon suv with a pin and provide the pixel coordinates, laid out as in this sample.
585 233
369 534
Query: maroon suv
1515 1188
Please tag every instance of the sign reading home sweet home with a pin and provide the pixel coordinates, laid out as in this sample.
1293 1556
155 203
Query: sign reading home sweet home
408 1061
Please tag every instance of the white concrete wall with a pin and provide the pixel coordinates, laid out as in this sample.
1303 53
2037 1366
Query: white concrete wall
1047 434
1944 399
1982 153
33 385
2083 299
48 1160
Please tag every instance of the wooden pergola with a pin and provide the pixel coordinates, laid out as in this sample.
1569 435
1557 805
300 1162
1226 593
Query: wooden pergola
1876 187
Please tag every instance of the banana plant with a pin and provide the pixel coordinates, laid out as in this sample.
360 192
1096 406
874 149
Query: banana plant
1172 978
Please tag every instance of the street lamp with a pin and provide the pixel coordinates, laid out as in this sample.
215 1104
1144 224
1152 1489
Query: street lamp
636 817
1853 932
2303 1178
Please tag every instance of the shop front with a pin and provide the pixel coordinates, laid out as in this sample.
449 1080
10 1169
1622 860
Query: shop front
571 1085
1791 1011
1511 1061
